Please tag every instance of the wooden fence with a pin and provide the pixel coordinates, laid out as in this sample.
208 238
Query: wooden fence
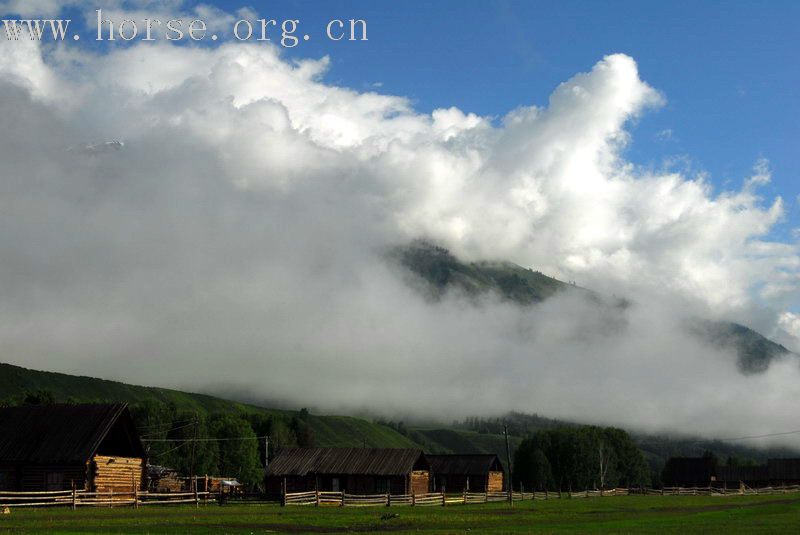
342 499
81 498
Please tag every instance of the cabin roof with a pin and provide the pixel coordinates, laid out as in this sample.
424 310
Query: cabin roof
347 461
58 433
466 464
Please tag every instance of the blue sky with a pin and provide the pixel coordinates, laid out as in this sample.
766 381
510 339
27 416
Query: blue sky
729 70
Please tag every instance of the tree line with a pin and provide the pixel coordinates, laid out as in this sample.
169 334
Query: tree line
200 443
578 458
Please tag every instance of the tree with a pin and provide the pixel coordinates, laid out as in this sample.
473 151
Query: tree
304 436
580 458
237 448
531 467
41 396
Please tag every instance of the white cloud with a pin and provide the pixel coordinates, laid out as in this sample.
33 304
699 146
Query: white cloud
665 135
35 8
237 240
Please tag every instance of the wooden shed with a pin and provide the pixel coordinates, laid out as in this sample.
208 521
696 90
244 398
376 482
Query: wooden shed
479 472
690 472
50 447
733 477
783 471
353 470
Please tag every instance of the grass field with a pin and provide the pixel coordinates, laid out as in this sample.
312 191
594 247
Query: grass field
623 514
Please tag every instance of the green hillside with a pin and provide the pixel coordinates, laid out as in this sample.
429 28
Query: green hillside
15 381
473 435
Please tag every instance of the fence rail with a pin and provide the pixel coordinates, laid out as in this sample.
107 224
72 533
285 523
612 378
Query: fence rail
440 499
82 498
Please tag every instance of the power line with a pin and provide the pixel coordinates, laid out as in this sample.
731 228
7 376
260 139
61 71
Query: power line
164 424
169 430
169 450
200 439
754 436
706 441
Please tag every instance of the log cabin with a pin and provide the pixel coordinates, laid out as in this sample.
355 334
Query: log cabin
481 472
51 447
352 470
690 472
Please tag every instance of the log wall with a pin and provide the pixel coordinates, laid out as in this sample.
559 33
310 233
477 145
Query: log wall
117 474
495 483
420 482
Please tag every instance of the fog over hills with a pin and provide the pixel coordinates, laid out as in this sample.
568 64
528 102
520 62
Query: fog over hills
235 239
442 272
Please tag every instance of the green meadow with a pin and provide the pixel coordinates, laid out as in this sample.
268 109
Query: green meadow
623 514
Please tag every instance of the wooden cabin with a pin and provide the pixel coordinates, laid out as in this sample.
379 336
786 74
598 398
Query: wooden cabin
733 477
783 471
690 472
353 470
466 472
51 447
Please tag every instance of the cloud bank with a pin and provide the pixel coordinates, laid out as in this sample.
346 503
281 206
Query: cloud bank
237 239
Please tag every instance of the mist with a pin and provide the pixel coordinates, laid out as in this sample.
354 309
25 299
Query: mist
237 240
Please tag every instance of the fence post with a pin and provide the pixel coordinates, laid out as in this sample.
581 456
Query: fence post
342 498
413 497
545 493
388 499
316 497
486 496
135 492
283 492
73 496
111 497
465 496
205 489
443 496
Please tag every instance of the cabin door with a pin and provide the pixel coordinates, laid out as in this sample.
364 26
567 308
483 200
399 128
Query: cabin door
335 484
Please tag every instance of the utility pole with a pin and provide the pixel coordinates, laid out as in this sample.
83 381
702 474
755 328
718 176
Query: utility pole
510 468
266 452
193 485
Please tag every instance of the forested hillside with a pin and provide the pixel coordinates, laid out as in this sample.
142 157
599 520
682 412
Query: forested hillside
169 420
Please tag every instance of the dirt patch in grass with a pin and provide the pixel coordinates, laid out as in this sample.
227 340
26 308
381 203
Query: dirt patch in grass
720 507
687 508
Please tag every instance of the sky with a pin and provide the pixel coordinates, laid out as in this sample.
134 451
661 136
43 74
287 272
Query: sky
727 69
216 217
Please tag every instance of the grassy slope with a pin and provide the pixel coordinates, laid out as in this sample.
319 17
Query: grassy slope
328 430
624 514
343 431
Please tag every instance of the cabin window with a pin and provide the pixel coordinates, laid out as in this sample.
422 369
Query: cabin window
335 484
54 480
382 486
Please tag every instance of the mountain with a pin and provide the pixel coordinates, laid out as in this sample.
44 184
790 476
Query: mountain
474 435
438 271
